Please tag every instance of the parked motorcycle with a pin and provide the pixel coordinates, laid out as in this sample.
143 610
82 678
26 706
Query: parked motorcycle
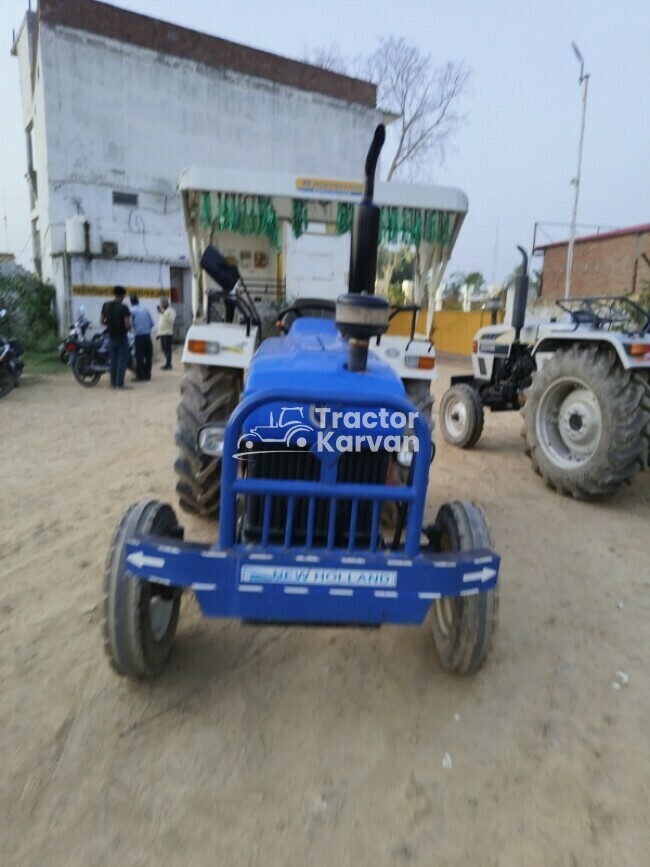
90 359
11 363
76 334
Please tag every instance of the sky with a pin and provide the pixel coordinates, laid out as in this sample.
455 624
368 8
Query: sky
517 153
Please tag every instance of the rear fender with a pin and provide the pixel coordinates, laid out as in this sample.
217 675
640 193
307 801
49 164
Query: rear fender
225 345
551 344
399 352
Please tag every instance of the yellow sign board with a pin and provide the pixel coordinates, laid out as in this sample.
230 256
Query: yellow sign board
328 186
101 291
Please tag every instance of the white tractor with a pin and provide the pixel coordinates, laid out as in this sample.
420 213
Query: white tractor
583 381
245 230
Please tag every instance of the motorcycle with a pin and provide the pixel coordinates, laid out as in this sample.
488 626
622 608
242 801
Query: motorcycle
11 363
76 334
90 359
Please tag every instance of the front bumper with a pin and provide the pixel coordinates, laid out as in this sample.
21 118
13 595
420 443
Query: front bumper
289 586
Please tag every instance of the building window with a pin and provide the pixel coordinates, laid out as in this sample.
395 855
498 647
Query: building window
129 199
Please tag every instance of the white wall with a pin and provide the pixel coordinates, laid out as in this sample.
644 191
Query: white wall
128 273
130 119
110 116
317 264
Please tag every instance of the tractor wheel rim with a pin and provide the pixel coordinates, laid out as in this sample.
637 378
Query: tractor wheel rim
569 423
444 613
160 615
445 608
456 417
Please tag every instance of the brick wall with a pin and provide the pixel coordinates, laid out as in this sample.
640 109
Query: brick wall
607 266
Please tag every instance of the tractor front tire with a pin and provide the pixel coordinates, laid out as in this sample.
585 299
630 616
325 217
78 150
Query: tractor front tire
463 626
208 395
139 618
462 416
586 422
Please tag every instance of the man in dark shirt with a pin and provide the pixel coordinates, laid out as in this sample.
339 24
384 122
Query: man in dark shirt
116 316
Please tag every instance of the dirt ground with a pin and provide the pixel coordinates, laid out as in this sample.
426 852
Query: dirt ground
313 747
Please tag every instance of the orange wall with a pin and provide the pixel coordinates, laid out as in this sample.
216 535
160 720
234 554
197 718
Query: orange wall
453 331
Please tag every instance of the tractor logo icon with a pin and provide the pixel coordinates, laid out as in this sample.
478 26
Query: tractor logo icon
290 430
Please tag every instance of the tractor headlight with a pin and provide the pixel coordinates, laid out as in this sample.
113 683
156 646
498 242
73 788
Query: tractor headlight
405 457
211 438
420 362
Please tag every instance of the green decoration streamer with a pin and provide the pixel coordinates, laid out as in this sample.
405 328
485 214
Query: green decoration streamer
299 217
344 214
255 215
247 215
205 211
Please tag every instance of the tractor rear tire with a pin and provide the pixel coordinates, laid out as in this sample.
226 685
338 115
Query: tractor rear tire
584 422
643 380
462 416
463 626
139 617
208 394
418 392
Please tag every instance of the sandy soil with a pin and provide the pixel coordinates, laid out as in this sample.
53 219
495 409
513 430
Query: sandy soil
313 747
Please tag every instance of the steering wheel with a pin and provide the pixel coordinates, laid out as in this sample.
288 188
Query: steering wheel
302 307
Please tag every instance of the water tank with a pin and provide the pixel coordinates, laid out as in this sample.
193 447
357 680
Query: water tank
75 234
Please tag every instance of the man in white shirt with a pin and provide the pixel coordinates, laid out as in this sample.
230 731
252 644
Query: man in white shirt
166 331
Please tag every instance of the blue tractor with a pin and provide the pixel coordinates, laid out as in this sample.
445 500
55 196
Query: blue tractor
302 536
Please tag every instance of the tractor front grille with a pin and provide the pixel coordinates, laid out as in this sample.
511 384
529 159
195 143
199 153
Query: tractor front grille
313 522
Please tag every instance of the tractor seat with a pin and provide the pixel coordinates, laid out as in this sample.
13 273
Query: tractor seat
585 317
312 308
317 308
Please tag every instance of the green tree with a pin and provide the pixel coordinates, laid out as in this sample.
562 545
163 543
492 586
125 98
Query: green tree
392 263
534 280
476 281
30 307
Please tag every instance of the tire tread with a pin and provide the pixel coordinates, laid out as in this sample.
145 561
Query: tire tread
628 396
208 394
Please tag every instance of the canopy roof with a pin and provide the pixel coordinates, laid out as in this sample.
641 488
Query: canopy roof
254 203
319 188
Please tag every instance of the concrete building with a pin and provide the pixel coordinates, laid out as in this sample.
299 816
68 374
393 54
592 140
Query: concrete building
610 263
116 104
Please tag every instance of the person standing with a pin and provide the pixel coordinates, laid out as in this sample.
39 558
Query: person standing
166 331
142 322
116 316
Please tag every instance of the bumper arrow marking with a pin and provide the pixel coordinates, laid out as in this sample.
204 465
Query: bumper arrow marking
139 560
484 575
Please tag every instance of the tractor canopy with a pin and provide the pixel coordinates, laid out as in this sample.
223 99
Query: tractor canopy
277 227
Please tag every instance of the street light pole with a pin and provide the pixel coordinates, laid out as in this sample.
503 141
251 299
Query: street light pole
584 79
